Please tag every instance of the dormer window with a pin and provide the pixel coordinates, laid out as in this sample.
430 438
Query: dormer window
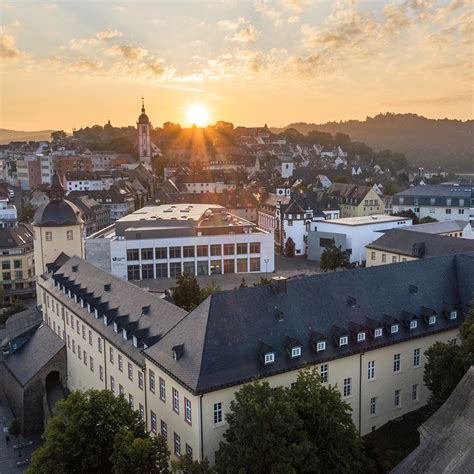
360 336
105 321
378 332
321 346
394 329
269 358
453 315
432 320
135 341
177 351
413 324
96 314
124 334
115 327
343 341
296 352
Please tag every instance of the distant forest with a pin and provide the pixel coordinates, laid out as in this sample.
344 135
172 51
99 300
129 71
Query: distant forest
425 142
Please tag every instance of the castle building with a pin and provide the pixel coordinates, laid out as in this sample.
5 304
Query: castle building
144 137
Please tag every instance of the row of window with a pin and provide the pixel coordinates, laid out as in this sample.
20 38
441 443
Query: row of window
397 399
6 265
49 235
189 251
449 202
164 432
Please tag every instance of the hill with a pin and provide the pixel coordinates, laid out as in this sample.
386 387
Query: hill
426 142
7 136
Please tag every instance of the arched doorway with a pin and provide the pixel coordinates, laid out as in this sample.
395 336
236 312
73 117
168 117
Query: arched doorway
54 389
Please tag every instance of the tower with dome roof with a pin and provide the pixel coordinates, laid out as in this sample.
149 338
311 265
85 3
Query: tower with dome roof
144 136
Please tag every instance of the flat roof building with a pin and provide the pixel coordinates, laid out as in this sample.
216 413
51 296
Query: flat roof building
165 241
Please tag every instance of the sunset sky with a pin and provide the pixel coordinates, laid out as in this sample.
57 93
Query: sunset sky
76 63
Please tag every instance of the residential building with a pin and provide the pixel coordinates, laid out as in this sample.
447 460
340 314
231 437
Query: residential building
95 216
84 181
401 245
441 202
8 212
352 234
109 160
16 260
208 182
65 163
165 241
355 200
184 369
462 229
266 212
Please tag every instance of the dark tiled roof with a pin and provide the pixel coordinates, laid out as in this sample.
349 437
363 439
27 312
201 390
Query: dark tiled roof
447 437
403 241
27 361
16 236
441 190
222 337
348 191
440 227
141 313
57 213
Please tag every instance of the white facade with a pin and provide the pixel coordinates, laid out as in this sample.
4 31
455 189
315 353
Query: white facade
287 168
209 187
360 231
85 185
440 213
8 213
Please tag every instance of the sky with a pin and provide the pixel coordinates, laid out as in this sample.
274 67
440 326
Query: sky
70 64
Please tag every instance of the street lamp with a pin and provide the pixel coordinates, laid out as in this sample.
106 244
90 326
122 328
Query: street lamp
266 260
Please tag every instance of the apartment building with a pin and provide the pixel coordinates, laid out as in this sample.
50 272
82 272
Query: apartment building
457 228
8 213
17 262
401 245
180 371
444 202
165 241
355 200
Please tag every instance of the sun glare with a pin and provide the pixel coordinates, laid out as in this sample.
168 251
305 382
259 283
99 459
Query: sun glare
197 115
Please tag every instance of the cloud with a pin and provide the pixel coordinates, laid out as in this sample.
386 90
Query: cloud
84 65
8 49
294 19
108 35
231 25
50 6
440 100
296 5
249 34
127 51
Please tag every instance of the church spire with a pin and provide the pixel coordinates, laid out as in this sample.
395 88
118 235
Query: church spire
143 105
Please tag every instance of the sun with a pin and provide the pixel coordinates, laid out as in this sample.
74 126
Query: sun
198 115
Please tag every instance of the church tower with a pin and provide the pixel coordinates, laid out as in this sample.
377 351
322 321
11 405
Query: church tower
57 228
144 137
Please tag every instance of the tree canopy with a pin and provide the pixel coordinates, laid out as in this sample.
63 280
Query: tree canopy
95 431
188 294
302 428
332 258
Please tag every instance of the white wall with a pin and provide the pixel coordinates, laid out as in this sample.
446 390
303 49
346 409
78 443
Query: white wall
438 212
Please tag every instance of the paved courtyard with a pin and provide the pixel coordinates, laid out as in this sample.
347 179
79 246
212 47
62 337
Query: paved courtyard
284 267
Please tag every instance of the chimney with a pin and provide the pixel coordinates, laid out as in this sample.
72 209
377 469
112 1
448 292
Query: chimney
419 249
279 284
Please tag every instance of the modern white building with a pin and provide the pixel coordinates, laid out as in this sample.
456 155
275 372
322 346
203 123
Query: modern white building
352 234
441 202
165 241
8 213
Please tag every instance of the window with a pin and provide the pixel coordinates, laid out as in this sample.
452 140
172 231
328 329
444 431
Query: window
295 352
242 248
164 430
413 324
141 409
101 373
130 371
229 249
147 271
133 254
396 363
175 400
147 254
69 234
218 413
153 421
187 411
189 450
161 270
91 363
393 328
371 370
68 342
6 265
140 380
188 267
121 390
432 320
120 363
175 252
85 357
73 346
49 236
133 272
78 330
384 258
202 251
378 332
448 211
99 344
79 352
347 387
394 259
321 346
269 358
397 403
83 332
151 379
229 266
416 357
188 251
414 392
161 253
175 269
17 263
162 389
111 355
372 255
324 373
254 264
215 250
453 315
360 336
254 247
177 444
343 341
373 406
130 399
112 383
242 265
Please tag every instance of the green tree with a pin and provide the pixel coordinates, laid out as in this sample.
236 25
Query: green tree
263 281
303 428
15 428
27 212
341 179
80 436
289 247
427 220
139 455
186 293
243 283
186 465
409 214
212 287
332 258
59 135
447 363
